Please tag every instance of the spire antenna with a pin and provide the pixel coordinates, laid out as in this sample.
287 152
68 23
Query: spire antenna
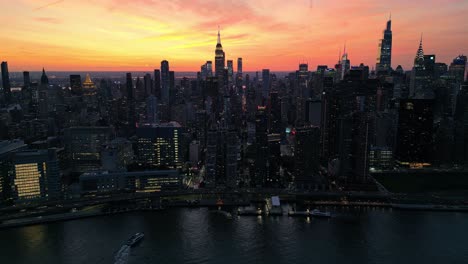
219 36
390 17
339 55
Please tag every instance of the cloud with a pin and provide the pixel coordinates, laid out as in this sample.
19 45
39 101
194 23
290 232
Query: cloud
51 20
48 5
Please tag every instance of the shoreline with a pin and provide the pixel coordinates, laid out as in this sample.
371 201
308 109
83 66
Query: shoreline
27 221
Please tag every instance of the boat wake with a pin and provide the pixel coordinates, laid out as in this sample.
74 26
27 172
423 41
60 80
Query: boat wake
121 257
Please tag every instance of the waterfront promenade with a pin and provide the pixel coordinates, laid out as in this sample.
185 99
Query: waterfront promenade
51 211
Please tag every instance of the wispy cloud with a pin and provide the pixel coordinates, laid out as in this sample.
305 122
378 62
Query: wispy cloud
51 20
48 5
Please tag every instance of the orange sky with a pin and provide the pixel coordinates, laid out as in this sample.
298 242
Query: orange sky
96 35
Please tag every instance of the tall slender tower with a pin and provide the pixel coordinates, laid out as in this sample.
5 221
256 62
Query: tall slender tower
345 63
219 58
165 81
419 58
384 60
6 82
129 82
419 79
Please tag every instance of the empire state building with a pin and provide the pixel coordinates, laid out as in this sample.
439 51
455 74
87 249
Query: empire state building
219 58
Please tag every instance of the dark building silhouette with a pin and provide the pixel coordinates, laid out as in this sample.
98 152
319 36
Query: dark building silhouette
148 83
307 157
6 82
157 83
414 134
165 82
129 85
75 84
261 143
26 79
384 60
265 83
171 81
461 126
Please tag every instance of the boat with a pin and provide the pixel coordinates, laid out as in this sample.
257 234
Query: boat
314 213
249 211
318 213
131 242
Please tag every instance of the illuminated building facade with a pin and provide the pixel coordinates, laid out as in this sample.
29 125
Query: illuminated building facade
380 158
88 84
219 58
36 175
139 181
159 145
7 150
89 91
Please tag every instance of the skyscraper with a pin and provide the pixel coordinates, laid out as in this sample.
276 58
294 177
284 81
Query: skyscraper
345 64
219 58
160 144
165 82
44 95
461 125
384 60
6 82
239 73
83 146
88 84
152 109
230 68
415 132
239 65
44 78
261 143
458 68
209 68
75 83
419 77
306 156
148 84
171 81
266 83
129 81
26 79
157 83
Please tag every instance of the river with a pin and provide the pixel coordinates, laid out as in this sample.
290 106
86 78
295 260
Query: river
196 235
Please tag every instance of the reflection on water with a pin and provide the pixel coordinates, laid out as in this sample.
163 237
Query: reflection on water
197 236
34 235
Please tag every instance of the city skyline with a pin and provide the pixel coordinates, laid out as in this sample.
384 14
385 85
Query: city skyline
50 36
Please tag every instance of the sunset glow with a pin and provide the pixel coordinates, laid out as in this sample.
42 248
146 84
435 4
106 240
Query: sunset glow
99 35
